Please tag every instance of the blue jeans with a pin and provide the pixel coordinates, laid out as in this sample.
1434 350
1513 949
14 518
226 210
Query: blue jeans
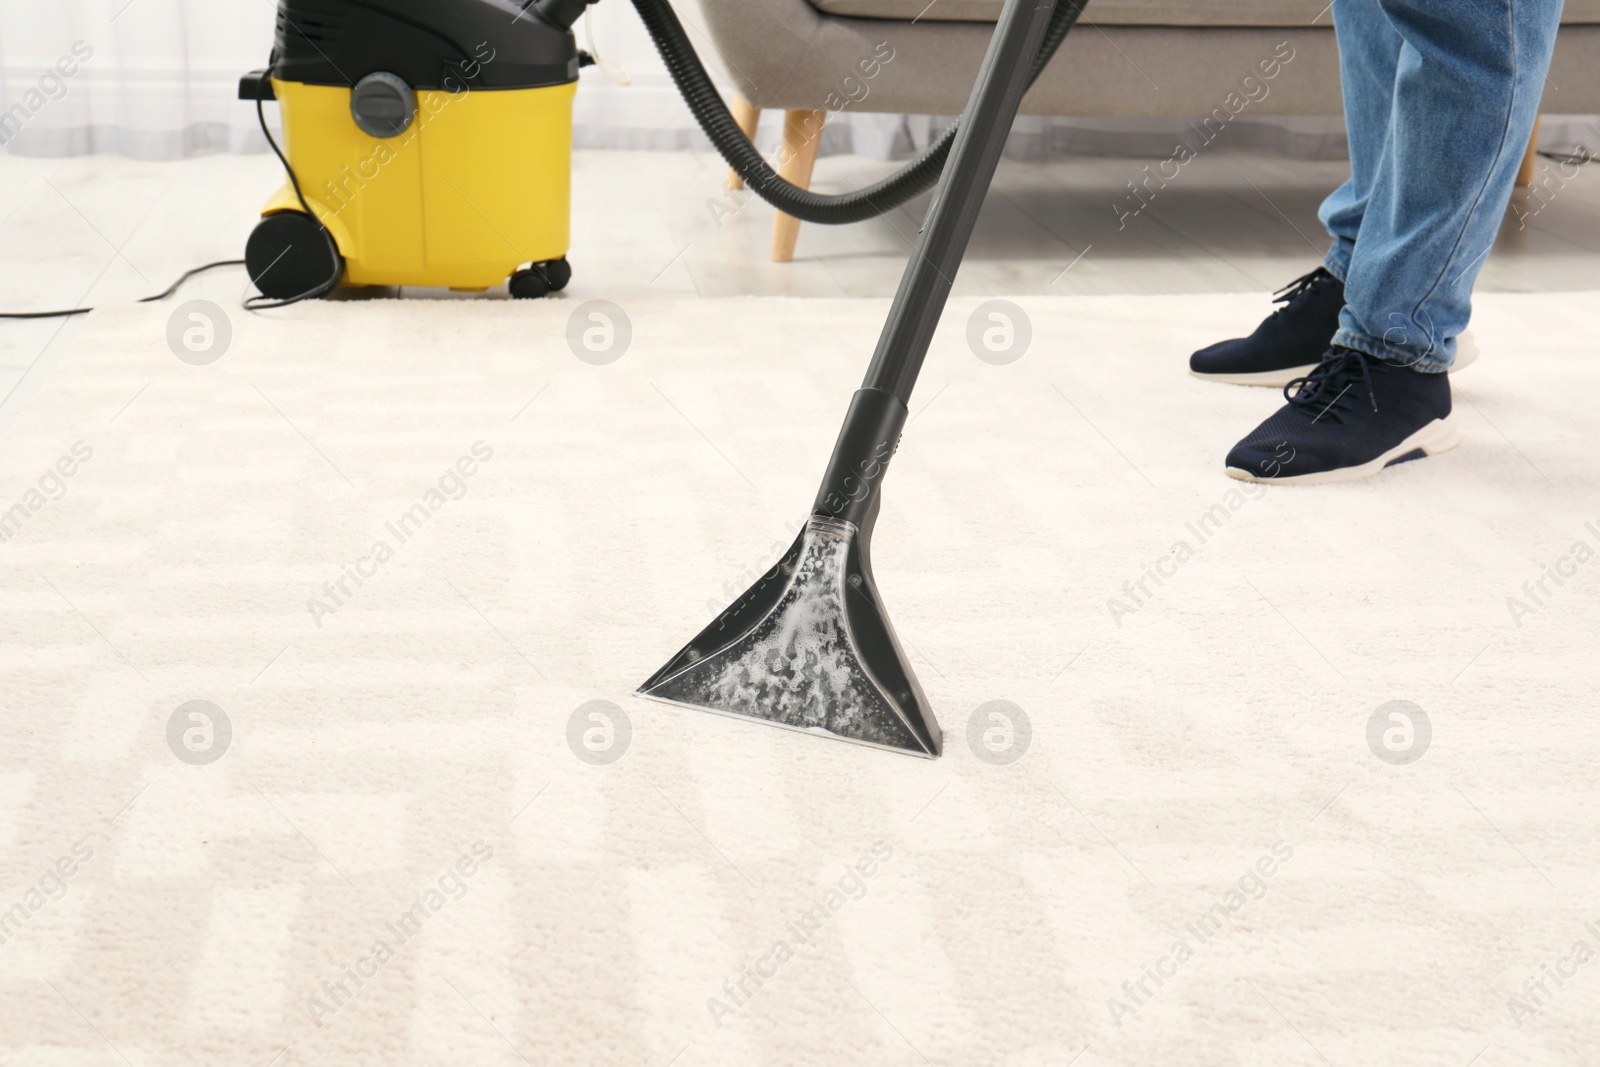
1440 98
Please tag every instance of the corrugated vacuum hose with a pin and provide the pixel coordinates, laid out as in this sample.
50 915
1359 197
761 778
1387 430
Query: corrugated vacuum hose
709 109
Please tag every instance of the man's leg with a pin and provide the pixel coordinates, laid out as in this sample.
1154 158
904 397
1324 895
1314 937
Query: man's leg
1369 57
1467 89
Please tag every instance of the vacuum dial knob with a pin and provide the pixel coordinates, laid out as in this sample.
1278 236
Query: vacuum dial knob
382 104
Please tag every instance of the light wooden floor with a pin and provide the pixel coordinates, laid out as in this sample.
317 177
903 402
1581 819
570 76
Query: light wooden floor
93 229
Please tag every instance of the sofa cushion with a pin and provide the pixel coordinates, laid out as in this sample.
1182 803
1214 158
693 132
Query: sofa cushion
1281 13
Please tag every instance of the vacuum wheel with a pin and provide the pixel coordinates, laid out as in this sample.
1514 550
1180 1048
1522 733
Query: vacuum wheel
551 276
287 255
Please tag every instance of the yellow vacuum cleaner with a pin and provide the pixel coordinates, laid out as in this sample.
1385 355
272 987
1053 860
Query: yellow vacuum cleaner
429 142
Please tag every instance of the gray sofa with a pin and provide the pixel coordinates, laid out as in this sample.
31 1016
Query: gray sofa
1125 58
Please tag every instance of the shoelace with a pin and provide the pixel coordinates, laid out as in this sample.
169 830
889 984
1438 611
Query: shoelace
1291 294
1326 390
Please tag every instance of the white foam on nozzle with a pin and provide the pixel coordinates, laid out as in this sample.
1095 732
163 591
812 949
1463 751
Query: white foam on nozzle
797 666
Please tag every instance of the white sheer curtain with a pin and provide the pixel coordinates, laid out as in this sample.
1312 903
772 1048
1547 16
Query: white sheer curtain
157 79
144 78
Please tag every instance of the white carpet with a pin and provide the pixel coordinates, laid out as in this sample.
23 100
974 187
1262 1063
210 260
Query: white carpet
1208 747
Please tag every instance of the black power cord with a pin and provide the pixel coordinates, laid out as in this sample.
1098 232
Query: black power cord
252 303
257 303
168 291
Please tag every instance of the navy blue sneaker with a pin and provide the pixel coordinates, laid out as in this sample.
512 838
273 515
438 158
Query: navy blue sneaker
1287 344
1350 417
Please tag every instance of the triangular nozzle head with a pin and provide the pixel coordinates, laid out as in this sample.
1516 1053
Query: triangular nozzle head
808 647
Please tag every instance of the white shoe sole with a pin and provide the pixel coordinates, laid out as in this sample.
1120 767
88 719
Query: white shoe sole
1440 435
1466 356
1274 378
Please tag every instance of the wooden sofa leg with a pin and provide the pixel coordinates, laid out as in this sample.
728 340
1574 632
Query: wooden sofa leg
746 115
802 135
1525 173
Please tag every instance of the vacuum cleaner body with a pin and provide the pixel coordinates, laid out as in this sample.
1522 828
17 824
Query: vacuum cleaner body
432 140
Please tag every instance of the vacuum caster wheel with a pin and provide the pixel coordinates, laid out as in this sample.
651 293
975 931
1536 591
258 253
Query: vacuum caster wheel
559 273
288 255
540 279
528 284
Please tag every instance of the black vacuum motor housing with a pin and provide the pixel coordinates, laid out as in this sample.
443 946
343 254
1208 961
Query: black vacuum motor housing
430 44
